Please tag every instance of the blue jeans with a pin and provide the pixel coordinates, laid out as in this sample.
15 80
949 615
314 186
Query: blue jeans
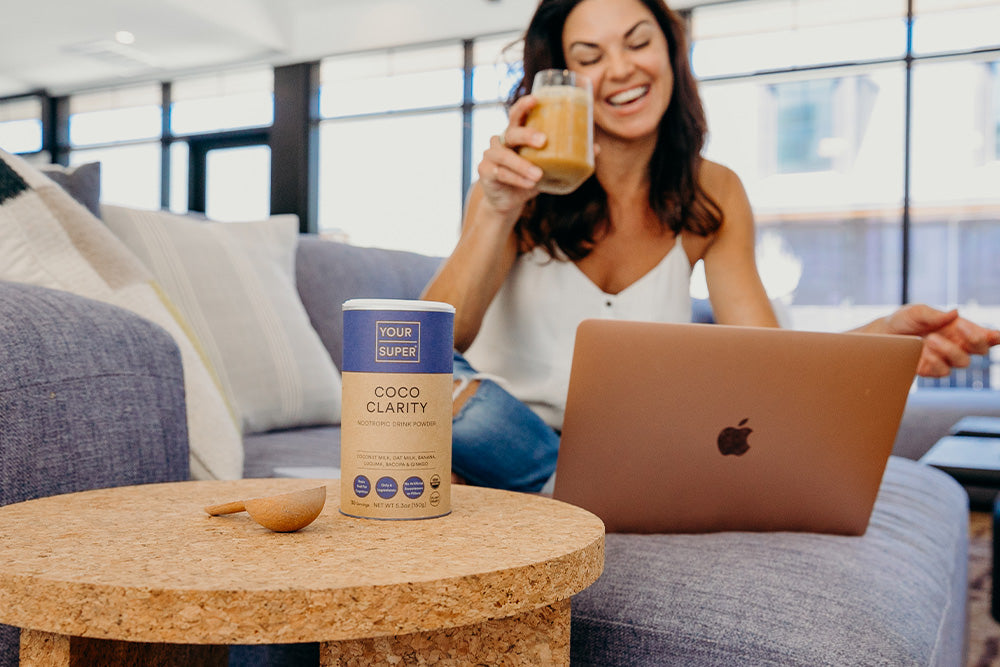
497 441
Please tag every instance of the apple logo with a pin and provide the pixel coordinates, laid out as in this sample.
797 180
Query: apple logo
733 440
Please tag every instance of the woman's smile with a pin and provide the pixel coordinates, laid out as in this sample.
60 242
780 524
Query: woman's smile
627 97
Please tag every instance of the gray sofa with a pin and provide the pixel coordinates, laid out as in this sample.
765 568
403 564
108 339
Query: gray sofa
90 396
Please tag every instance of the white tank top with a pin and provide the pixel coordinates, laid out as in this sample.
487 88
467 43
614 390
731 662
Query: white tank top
526 339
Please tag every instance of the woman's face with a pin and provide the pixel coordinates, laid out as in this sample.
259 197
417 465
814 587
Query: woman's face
619 46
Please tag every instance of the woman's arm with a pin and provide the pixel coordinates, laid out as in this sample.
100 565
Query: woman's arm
471 277
949 339
734 286
473 274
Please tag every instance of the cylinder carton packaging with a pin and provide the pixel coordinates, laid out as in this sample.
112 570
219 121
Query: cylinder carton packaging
395 450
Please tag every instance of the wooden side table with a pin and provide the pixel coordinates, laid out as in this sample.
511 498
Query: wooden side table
142 574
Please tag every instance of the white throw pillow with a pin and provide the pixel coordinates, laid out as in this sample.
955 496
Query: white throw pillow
49 239
234 283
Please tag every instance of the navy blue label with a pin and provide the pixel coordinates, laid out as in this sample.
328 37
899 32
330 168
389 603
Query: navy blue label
413 487
398 341
386 487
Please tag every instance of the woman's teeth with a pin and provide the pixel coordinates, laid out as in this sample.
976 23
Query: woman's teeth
627 96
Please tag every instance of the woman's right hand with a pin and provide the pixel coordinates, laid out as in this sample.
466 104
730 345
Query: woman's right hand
508 180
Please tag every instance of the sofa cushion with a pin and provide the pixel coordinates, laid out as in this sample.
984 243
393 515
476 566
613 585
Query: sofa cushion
48 239
234 283
328 273
82 182
894 596
316 447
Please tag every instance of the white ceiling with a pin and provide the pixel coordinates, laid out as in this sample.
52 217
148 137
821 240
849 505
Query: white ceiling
65 46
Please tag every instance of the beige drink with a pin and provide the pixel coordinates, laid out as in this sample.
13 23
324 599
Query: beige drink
565 114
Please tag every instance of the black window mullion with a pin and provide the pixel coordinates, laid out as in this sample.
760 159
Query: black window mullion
166 104
467 108
293 143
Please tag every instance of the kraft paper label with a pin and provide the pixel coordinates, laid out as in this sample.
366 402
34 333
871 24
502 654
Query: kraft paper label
395 451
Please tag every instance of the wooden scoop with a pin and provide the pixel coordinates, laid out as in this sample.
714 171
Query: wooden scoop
283 513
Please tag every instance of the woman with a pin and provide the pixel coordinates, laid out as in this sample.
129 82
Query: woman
529 267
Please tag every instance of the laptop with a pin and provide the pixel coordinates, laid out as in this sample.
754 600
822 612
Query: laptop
693 428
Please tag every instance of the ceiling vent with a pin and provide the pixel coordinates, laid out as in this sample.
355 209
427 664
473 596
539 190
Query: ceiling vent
114 54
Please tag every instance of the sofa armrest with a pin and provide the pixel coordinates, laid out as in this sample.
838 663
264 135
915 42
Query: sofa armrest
328 273
931 412
91 396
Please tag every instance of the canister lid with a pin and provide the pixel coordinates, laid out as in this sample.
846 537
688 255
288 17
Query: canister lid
398 304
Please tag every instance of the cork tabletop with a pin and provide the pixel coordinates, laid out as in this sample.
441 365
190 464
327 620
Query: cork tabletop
147 564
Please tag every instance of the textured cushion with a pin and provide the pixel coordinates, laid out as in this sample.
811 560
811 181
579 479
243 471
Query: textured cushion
82 182
234 283
315 447
895 596
48 239
91 396
329 273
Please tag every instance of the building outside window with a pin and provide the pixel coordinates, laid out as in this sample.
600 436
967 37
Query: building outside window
804 128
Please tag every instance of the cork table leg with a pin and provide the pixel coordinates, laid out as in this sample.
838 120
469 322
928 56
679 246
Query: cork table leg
539 637
44 649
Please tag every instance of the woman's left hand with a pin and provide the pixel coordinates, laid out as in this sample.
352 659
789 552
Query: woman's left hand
949 339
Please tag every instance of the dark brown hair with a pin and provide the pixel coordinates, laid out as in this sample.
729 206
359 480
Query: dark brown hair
571 222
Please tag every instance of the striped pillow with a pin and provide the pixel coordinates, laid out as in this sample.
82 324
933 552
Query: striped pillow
47 238
234 284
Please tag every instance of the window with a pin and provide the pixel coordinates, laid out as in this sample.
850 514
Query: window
130 174
221 121
745 37
496 70
390 172
941 26
120 128
496 67
21 125
115 116
827 196
806 100
222 101
955 202
393 181
995 124
238 183
813 118
391 80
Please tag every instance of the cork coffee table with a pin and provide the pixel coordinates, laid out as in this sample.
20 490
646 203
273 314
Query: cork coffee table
141 575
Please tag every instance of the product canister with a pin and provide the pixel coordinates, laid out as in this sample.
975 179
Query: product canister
395 448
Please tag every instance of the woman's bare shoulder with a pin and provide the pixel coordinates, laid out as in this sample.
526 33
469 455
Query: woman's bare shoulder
719 181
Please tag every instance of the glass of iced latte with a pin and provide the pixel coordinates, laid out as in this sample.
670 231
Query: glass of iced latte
565 113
